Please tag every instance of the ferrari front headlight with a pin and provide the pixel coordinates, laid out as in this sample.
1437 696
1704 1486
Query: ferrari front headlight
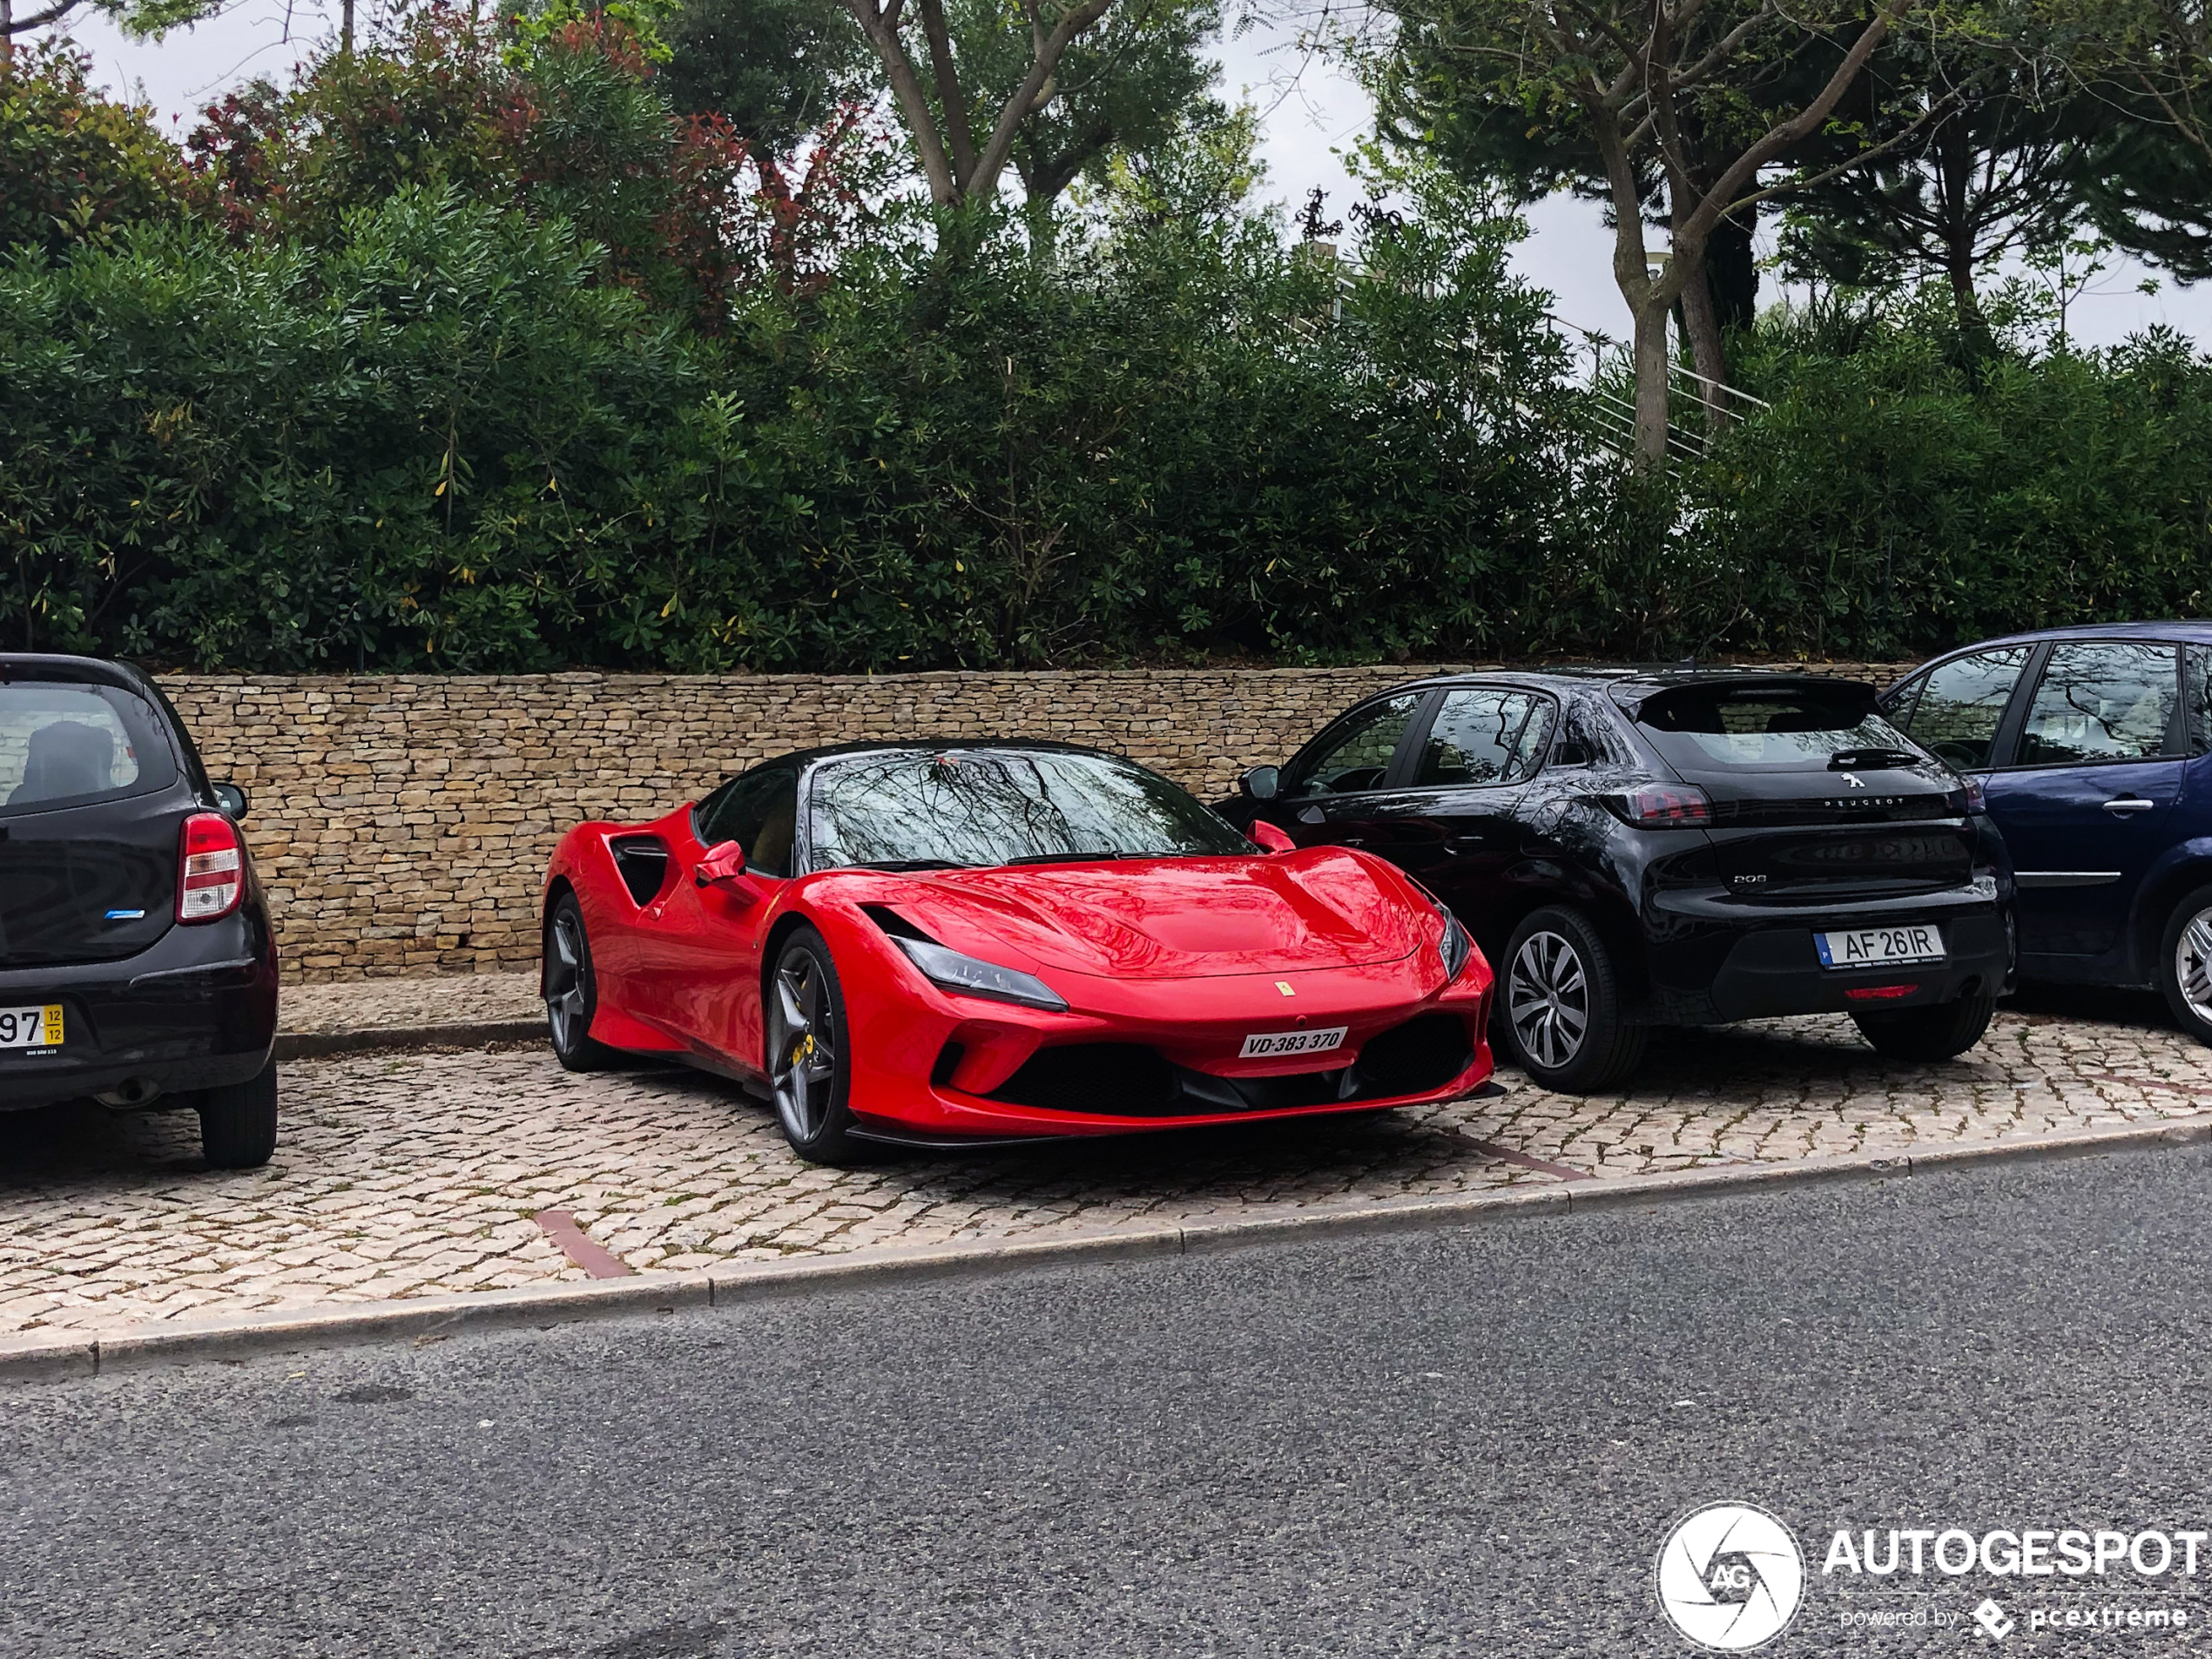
1456 947
971 977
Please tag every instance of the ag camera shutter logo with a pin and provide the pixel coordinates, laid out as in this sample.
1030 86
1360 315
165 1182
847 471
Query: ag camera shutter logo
1730 1577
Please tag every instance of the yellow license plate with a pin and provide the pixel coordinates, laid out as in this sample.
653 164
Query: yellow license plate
34 1028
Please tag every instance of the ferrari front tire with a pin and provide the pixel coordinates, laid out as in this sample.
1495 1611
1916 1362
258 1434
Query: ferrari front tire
571 991
809 1070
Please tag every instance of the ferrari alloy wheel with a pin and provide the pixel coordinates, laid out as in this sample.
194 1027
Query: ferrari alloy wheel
2185 964
807 1063
1560 1015
572 996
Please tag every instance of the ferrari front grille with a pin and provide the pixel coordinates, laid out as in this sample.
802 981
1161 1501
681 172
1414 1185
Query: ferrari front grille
1130 1080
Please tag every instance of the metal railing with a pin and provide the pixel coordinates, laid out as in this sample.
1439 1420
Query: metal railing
1696 405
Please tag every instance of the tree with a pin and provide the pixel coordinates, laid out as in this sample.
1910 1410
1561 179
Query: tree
1123 84
775 69
941 113
1661 85
2148 182
1991 169
73 163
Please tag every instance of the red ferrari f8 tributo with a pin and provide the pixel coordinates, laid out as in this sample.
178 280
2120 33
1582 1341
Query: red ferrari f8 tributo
950 946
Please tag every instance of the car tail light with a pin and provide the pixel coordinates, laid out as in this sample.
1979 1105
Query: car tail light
1666 807
210 874
1880 993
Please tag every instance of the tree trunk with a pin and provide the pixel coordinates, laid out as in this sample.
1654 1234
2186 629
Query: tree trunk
1704 329
1651 379
345 28
7 37
1732 270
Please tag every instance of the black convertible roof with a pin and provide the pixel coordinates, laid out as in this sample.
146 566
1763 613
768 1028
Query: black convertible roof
804 758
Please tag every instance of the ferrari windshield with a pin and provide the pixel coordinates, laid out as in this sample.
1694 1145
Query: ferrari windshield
967 808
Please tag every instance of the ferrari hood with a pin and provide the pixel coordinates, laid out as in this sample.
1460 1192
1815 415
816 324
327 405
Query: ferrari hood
1175 918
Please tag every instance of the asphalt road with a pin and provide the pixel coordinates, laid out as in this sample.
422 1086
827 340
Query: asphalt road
1460 1443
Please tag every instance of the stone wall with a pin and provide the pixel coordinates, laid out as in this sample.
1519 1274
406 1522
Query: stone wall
402 823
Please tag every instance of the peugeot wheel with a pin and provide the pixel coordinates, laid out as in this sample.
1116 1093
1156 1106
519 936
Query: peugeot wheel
1560 1011
571 993
237 1122
2185 964
808 1069
1943 1031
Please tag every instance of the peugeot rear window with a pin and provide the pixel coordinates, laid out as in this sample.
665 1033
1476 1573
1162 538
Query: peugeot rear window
68 745
1777 727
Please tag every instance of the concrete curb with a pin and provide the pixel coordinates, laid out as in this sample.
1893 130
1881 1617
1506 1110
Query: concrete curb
467 1034
37 1356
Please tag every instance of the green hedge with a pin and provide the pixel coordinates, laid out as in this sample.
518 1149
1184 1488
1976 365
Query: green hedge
436 443
444 439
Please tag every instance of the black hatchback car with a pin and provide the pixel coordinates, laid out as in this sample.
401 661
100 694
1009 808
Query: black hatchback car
1670 848
138 966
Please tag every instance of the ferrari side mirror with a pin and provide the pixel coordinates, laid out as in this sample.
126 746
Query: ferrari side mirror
723 865
1261 783
1266 835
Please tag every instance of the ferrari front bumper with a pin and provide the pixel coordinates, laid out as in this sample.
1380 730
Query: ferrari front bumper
1131 1056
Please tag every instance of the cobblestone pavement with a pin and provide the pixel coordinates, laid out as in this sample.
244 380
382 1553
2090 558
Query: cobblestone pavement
409 1001
411 1174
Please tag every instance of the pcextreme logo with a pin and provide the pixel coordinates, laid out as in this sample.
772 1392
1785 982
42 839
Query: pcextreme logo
1730 1577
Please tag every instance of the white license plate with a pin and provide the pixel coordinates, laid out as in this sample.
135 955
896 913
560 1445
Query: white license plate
39 1027
1263 1045
1876 947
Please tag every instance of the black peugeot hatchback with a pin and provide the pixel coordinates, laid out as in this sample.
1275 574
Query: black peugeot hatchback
1682 846
138 966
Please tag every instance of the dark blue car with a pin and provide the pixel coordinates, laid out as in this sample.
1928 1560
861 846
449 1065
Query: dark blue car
2094 747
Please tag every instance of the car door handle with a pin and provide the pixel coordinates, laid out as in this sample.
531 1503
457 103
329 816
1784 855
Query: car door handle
2127 803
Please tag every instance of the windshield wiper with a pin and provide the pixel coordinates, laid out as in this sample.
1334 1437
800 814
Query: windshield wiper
908 864
1870 759
1069 858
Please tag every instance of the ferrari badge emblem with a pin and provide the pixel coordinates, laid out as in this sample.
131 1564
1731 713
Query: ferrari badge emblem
1284 985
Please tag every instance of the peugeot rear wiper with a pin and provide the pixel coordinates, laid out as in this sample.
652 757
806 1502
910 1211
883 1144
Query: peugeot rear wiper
1870 759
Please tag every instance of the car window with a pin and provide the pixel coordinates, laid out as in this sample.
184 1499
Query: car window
983 808
1765 725
2101 700
1357 754
70 743
2196 700
1485 735
1960 704
759 811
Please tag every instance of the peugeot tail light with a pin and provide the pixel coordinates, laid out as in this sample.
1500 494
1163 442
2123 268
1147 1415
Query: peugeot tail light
1666 807
211 873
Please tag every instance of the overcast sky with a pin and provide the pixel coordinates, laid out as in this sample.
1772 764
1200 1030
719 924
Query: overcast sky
1312 111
